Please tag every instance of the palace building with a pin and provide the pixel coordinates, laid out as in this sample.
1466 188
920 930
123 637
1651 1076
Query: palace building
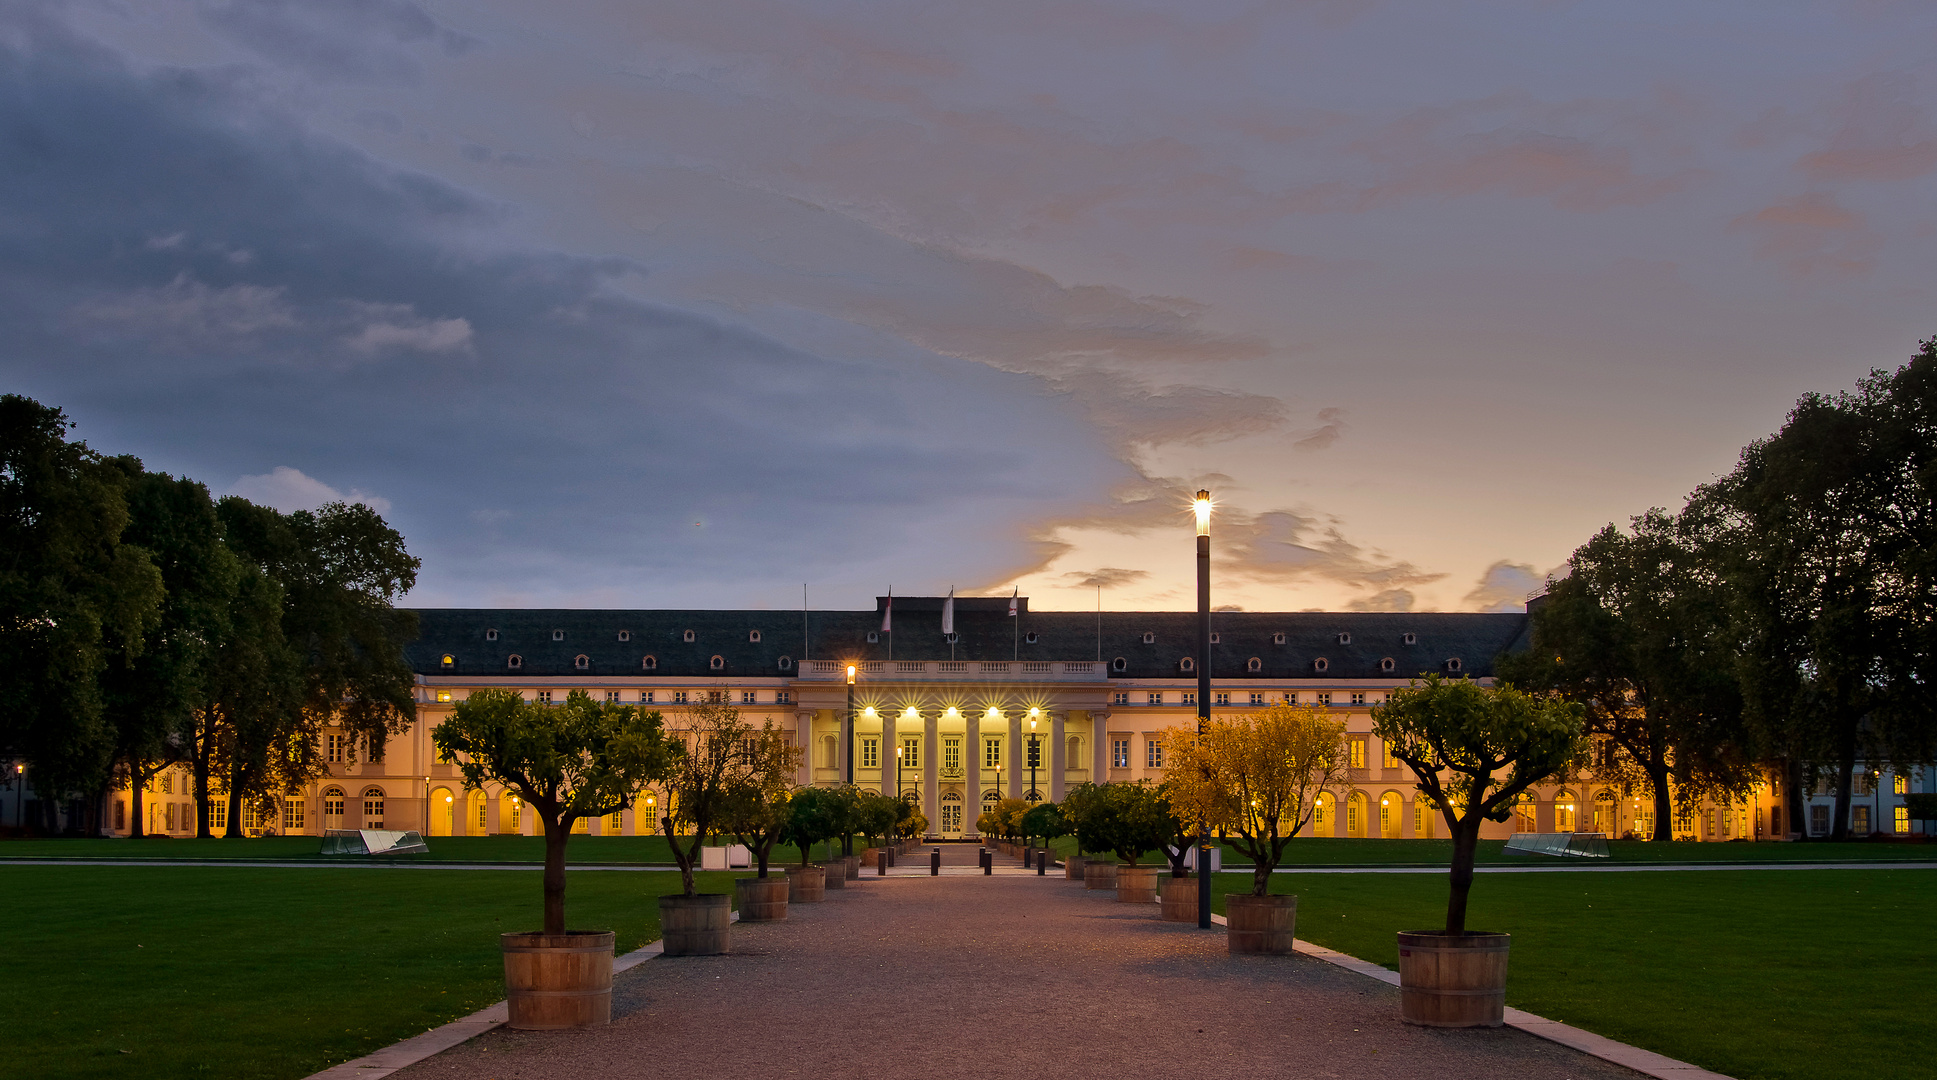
1025 704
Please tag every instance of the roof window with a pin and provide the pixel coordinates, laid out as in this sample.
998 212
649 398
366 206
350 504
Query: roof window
690 636
514 661
1278 638
1149 638
1187 664
581 661
786 663
753 636
1030 637
491 635
1254 664
1217 638
1409 639
650 663
1387 664
1321 664
558 635
717 663
448 660
1119 664
1452 664
1345 639
625 635
874 637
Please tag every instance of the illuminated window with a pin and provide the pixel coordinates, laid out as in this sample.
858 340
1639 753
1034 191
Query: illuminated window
992 753
1321 816
1902 819
1119 753
443 695
1900 784
1391 759
293 812
373 808
911 753
952 757
1524 810
1564 813
615 823
218 816
448 660
1422 818
1153 753
870 753
1356 749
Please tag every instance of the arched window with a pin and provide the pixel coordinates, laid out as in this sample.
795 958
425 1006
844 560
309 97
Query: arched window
717 663
1387 664
1119 664
1604 812
1321 665
558 635
510 813
490 635
1424 813
447 661
514 661
333 808
1355 814
1254 664
830 752
1452 664
1526 813
625 635
1564 808
786 663
753 636
951 813
443 811
690 636
649 663
1324 814
1074 751
1392 809
581 661
477 821
1345 639
373 808
1187 664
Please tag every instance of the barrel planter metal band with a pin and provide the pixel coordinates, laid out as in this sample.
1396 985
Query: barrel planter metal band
1136 884
1260 925
695 925
1099 875
806 884
1180 900
1073 867
1453 980
555 981
761 899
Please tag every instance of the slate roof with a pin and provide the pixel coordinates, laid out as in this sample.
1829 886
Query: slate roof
984 632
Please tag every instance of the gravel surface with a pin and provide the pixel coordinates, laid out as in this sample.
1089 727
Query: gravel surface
999 977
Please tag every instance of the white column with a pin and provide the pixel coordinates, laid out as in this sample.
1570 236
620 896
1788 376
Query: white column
1058 751
889 744
805 737
1013 757
931 806
972 773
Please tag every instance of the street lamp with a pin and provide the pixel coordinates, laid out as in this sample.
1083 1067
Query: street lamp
898 792
650 816
1035 755
1202 508
848 736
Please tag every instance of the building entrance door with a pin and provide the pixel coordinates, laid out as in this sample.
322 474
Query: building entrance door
952 815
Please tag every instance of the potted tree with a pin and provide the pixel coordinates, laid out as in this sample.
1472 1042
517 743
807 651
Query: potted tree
583 759
708 761
872 815
1474 750
1077 802
755 811
1045 820
1124 819
814 814
1182 818
1258 779
1008 822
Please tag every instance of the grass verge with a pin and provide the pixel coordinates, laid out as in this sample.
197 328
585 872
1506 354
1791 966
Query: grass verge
582 851
1317 851
1760 975
267 973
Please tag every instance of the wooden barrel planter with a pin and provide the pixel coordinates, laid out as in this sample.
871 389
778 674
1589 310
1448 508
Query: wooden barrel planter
1098 874
834 873
555 981
695 925
806 884
1453 980
761 899
1180 899
869 856
1073 867
853 867
1136 884
1260 925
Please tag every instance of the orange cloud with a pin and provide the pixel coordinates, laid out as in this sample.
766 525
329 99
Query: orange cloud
1810 234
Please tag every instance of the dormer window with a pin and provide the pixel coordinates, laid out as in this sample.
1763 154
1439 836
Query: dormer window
1254 664
1187 664
490 635
1409 639
874 637
690 636
650 663
581 661
1345 639
1321 665
1217 638
951 638
1387 664
1149 638
558 635
448 661
1453 664
625 635
514 661
717 663
753 636
1030 637
1278 638
1119 664
786 663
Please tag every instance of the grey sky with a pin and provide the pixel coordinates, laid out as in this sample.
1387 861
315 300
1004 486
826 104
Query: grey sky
689 303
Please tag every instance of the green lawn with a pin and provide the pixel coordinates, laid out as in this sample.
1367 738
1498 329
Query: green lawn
266 972
1779 974
1336 851
582 851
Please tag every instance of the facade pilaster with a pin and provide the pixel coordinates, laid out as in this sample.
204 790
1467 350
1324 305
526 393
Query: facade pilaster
889 744
1012 757
1058 742
931 807
972 774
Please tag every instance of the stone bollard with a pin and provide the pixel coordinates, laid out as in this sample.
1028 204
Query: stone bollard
1042 861
935 863
988 862
881 863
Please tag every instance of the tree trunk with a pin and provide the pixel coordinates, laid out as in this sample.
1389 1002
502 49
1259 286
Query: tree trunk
135 783
234 829
1664 804
556 833
198 765
681 855
1466 840
1839 828
1792 798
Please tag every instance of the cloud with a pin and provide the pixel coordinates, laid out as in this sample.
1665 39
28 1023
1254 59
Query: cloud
361 41
1331 424
1107 577
399 327
1384 600
1810 234
288 490
193 312
1883 136
1505 586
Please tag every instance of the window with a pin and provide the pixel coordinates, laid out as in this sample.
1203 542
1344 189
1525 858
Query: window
1356 748
992 753
1358 699
748 697
1291 697
625 635
581 661
1860 783
645 697
612 696
874 637
1119 753
1257 698
558 635
514 661
786 663
1564 813
1900 784
1254 664
1153 753
1321 816
218 816
1391 759
1902 819
168 817
1156 697
292 815
753 636
1819 820
333 748
1321 664
447 660
480 812
1190 697
544 697
952 756
870 753
911 753
689 636
251 817
1187 664
1119 664
1860 820
1345 639
376 740
679 697
783 697
1387 664
1422 818
1324 697
1453 664
333 808
1217 638
490 635
1221 699
615 823
650 663
1409 639
443 695
1524 810
717 663
1029 638
511 814
373 808
1352 814
1120 698
1149 638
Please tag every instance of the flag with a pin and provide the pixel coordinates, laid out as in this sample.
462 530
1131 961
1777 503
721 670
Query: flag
1012 601
948 614
888 613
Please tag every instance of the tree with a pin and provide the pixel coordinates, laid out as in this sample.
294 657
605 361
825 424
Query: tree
1456 735
1046 821
815 814
1077 803
755 809
869 813
1257 776
582 759
1638 634
75 597
1006 818
1127 818
708 760
1827 533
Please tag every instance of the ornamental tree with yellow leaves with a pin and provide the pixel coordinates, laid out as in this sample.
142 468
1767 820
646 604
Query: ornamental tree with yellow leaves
1256 778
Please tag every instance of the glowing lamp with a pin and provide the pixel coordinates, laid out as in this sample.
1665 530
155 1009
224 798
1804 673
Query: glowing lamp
1202 506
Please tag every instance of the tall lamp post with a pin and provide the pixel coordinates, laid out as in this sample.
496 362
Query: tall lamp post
848 736
1035 756
1203 508
898 772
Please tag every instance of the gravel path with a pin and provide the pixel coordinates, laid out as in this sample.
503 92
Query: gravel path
999 977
